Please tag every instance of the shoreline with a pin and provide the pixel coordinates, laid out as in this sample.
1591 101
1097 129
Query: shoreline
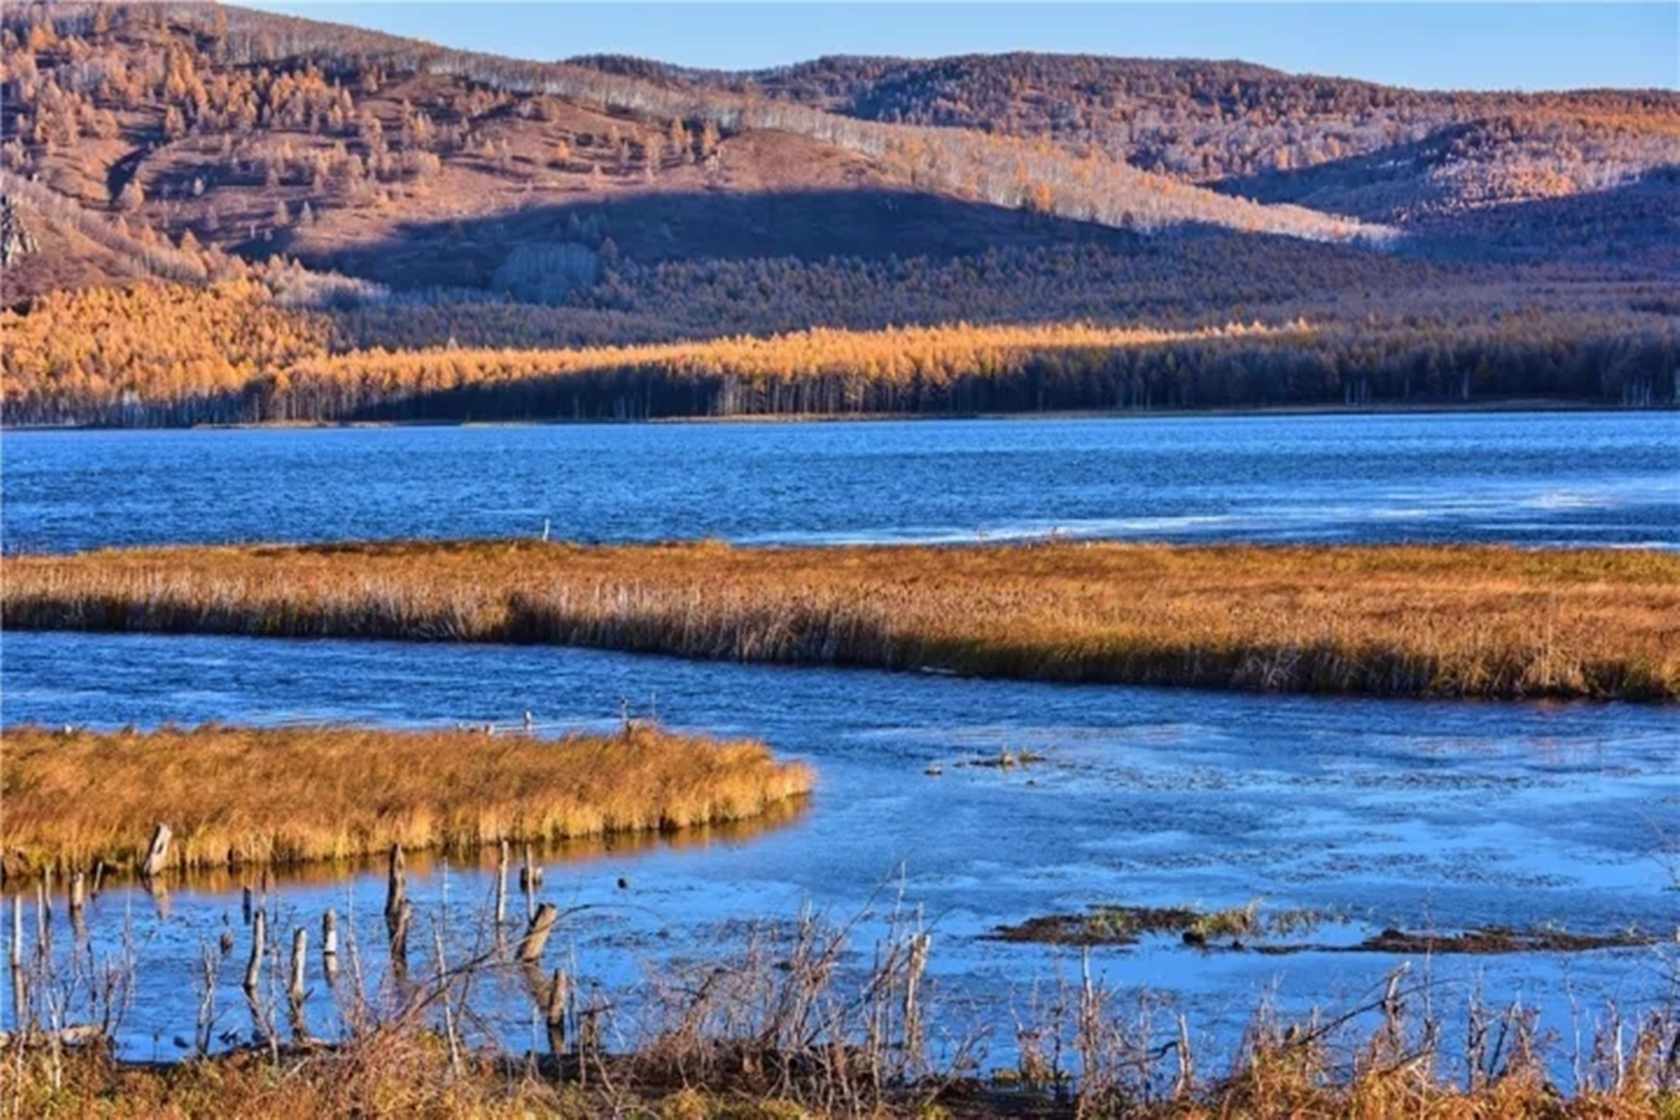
1535 405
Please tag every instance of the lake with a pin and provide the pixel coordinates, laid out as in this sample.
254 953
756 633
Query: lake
1420 815
1409 814
1594 479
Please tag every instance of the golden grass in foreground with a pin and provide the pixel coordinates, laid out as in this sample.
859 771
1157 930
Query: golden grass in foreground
409 1074
1405 621
281 796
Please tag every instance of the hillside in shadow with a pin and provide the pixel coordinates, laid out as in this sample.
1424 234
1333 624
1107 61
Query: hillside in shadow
1632 227
1392 182
657 227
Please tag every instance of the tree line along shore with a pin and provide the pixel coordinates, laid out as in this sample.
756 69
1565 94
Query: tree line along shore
232 354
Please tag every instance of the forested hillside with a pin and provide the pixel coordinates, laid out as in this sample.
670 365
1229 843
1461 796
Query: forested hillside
1244 128
280 219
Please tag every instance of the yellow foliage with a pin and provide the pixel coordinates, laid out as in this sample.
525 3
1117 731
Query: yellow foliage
81 351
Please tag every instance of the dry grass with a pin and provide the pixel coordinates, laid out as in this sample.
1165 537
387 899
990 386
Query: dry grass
783 1027
1402 621
241 795
406 1074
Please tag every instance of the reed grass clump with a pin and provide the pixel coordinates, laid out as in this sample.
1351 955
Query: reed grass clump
236 795
1088 1056
1487 622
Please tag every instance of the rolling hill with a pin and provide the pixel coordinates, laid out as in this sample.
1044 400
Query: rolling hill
1249 130
395 195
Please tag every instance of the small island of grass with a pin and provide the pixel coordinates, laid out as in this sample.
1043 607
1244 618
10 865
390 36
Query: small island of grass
239 795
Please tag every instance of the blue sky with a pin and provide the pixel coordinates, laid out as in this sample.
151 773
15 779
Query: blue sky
1432 44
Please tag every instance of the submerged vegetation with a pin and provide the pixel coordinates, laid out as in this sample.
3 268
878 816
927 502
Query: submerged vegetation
1126 925
1400 621
236 796
1279 932
790 1026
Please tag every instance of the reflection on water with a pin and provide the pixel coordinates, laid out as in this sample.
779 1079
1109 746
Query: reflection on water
423 863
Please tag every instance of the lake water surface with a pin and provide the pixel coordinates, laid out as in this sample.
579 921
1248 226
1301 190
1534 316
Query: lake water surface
1411 814
1415 814
1539 479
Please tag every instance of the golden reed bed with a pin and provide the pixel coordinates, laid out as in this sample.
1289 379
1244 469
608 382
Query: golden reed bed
279 796
1397 621
402 1073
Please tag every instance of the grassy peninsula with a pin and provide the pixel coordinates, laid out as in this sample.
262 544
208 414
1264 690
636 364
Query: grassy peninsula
1485 622
285 796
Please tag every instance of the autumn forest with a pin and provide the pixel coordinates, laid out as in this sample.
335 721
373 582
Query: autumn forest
214 215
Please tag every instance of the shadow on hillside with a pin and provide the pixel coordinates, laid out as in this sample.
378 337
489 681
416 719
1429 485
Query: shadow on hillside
1370 187
654 227
1632 225
1635 226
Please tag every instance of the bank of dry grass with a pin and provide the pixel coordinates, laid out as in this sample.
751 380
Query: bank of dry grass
254 796
404 1075
1404 621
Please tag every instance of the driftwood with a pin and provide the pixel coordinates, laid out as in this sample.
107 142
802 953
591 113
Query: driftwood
253 968
501 884
329 945
17 931
397 925
555 1013
396 884
43 911
536 935
295 982
158 854
530 878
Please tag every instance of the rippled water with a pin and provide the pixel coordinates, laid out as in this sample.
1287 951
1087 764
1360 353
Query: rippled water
1422 815
1548 478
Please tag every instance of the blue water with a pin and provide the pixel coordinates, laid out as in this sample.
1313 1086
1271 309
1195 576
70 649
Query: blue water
1423 815
1534 479
1416 814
